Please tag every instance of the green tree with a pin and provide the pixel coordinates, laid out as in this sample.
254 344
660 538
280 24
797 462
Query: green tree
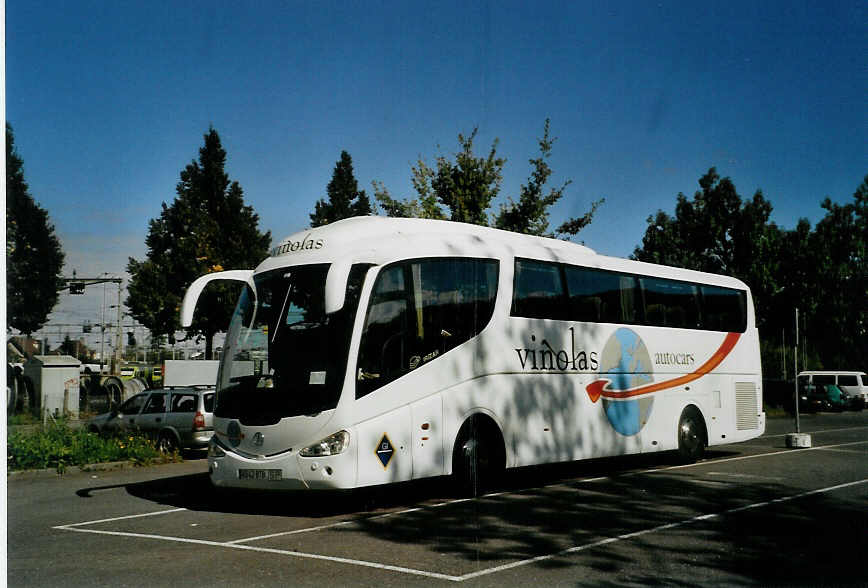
838 317
530 214
207 228
345 200
822 271
718 232
426 206
463 191
464 188
34 258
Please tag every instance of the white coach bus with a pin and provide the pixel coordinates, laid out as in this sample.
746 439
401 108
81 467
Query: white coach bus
378 350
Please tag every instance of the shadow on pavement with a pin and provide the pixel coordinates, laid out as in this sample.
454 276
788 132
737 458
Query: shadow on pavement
814 539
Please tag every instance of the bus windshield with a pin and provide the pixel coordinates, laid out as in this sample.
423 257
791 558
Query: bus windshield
283 355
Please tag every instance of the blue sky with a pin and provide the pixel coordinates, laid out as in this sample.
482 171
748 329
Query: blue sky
110 100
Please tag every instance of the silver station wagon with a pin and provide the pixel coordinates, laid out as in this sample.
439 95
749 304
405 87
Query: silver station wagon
178 418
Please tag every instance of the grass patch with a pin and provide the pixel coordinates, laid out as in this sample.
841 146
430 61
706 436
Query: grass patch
59 446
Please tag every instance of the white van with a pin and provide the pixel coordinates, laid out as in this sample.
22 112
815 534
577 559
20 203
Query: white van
853 383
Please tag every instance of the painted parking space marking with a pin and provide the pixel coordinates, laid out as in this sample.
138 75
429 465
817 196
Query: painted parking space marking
739 476
297 554
838 450
666 527
123 518
243 543
841 430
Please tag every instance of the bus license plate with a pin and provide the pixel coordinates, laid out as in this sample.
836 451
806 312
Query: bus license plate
270 475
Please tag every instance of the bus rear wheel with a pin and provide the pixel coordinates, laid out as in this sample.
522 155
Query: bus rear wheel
479 457
692 438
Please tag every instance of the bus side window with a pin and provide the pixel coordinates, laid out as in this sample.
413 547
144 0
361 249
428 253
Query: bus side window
453 300
383 346
723 309
538 290
419 310
669 303
600 296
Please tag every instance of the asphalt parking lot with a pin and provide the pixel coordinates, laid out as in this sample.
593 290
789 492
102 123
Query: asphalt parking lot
751 513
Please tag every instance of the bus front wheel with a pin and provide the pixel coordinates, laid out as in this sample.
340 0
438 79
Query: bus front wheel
479 457
691 435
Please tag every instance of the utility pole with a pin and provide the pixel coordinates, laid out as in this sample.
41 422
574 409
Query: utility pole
796 371
784 355
797 439
76 285
119 336
102 331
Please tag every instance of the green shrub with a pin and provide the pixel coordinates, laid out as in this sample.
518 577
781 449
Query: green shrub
59 446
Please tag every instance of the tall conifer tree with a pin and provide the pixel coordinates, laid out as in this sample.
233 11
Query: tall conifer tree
207 228
345 200
34 258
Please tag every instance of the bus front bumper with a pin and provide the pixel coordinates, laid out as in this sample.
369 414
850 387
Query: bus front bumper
287 471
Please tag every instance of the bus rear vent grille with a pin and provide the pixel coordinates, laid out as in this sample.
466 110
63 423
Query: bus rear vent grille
746 409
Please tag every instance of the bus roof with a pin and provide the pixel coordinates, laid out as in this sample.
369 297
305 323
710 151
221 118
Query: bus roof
379 240
376 239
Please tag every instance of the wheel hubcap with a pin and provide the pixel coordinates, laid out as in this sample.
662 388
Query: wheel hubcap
688 434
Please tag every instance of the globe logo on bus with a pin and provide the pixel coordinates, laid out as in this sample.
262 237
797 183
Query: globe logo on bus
626 362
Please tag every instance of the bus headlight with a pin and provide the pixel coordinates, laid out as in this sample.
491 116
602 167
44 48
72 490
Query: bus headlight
331 445
214 449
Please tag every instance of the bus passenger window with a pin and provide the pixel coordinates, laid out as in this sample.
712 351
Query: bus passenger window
453 299
419 310
538 291
600 296
383 350
723 309
669 303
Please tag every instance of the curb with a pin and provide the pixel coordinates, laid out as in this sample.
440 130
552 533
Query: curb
87 468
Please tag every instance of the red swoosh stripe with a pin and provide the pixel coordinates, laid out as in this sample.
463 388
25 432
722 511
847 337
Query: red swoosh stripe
599 387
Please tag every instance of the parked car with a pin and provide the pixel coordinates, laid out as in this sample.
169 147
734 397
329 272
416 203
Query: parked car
825 397
804 401
177 418
855 384
851 401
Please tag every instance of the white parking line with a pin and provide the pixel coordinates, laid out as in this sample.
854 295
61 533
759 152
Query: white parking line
753 456
356 562
665 527
113 519
239 543
740 476
839 450
576 549
814 432
343 523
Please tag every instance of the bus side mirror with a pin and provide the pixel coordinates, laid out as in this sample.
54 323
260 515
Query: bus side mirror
195 290
336 285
